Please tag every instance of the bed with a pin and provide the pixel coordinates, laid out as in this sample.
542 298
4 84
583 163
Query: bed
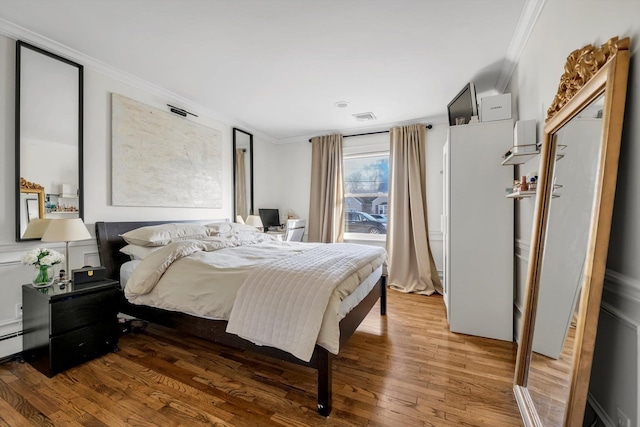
110 242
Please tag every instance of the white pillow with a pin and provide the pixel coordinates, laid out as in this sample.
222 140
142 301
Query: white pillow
139 252
163 234
218 227
229 227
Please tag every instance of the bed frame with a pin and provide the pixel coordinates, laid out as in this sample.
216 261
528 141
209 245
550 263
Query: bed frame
109 245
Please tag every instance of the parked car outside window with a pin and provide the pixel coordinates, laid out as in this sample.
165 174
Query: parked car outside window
379 217
362 222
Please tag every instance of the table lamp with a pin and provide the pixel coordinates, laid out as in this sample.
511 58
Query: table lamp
66 230
255 221
36 228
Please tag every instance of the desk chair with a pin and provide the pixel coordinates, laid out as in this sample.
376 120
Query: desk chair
295 230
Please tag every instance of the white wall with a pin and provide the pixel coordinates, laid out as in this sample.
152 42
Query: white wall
282 179
97 179
564 26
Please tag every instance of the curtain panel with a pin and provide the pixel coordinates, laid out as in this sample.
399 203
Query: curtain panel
241 185
410 264
326 208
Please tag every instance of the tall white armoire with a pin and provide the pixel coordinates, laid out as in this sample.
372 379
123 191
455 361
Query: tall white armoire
478 230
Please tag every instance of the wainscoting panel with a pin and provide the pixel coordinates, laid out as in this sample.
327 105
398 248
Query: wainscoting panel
437 249
521 260
616 367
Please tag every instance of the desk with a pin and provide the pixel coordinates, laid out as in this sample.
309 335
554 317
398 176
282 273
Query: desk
280 235
292 232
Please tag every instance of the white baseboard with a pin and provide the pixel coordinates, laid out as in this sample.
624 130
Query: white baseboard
12 343
11 326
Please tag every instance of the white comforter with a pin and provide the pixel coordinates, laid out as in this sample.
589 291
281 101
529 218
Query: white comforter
179 277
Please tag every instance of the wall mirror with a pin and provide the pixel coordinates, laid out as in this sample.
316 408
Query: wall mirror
242 173
48 138
570 236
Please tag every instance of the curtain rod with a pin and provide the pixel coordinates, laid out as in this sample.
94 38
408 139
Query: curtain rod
373 133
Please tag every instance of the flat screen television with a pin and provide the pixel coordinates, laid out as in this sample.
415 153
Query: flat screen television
463 105
269 218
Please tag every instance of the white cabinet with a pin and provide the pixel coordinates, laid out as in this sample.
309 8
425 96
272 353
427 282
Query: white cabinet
478 231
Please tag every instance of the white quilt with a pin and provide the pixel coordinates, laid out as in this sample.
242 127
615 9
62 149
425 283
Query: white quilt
203 277
283 305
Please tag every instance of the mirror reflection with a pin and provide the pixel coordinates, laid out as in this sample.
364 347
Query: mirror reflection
243 173
577 147
48 138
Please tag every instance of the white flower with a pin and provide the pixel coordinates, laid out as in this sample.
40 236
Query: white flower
58 258
42 256
29 258
46 260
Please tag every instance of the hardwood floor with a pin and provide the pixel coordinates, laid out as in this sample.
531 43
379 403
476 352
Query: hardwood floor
405 369
549 381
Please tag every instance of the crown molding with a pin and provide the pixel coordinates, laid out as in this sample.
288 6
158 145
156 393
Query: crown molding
17 32
526 23
528 19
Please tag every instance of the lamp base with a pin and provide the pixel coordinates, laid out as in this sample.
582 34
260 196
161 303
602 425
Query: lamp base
62 283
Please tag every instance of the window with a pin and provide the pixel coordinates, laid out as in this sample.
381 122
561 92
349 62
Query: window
366 187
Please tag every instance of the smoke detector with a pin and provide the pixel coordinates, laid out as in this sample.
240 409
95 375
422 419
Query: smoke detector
361 117
342 104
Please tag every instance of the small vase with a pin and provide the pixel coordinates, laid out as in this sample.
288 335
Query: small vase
44 276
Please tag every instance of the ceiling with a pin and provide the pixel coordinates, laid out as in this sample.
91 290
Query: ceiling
278 67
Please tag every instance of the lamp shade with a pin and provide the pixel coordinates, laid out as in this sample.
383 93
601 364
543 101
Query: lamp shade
255 221
239 219
36 228
66 230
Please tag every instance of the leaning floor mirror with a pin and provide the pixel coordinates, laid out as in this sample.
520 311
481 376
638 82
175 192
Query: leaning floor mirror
570 236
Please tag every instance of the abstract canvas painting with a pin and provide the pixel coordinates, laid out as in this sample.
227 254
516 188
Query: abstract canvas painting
160 159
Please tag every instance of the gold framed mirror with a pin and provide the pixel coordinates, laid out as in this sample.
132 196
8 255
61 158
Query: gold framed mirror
30 192
570 236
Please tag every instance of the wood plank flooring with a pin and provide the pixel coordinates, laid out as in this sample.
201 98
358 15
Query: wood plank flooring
549 382
405 369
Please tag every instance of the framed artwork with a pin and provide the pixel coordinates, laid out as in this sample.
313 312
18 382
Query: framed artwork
160 159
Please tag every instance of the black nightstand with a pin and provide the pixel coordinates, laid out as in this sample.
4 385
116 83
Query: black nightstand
63 328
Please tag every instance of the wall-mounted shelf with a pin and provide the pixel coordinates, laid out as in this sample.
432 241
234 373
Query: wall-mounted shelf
519 154
531 193
67 203
521 194
64 196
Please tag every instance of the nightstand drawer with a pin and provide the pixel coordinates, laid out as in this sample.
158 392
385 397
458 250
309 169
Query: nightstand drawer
75 312
83 344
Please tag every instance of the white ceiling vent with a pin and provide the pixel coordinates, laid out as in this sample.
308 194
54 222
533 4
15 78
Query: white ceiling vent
361 117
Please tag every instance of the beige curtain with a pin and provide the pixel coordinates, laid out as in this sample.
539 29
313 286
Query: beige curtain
326 208
241 185
410 265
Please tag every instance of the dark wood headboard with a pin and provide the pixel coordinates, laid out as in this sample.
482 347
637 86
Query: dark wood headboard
110 242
